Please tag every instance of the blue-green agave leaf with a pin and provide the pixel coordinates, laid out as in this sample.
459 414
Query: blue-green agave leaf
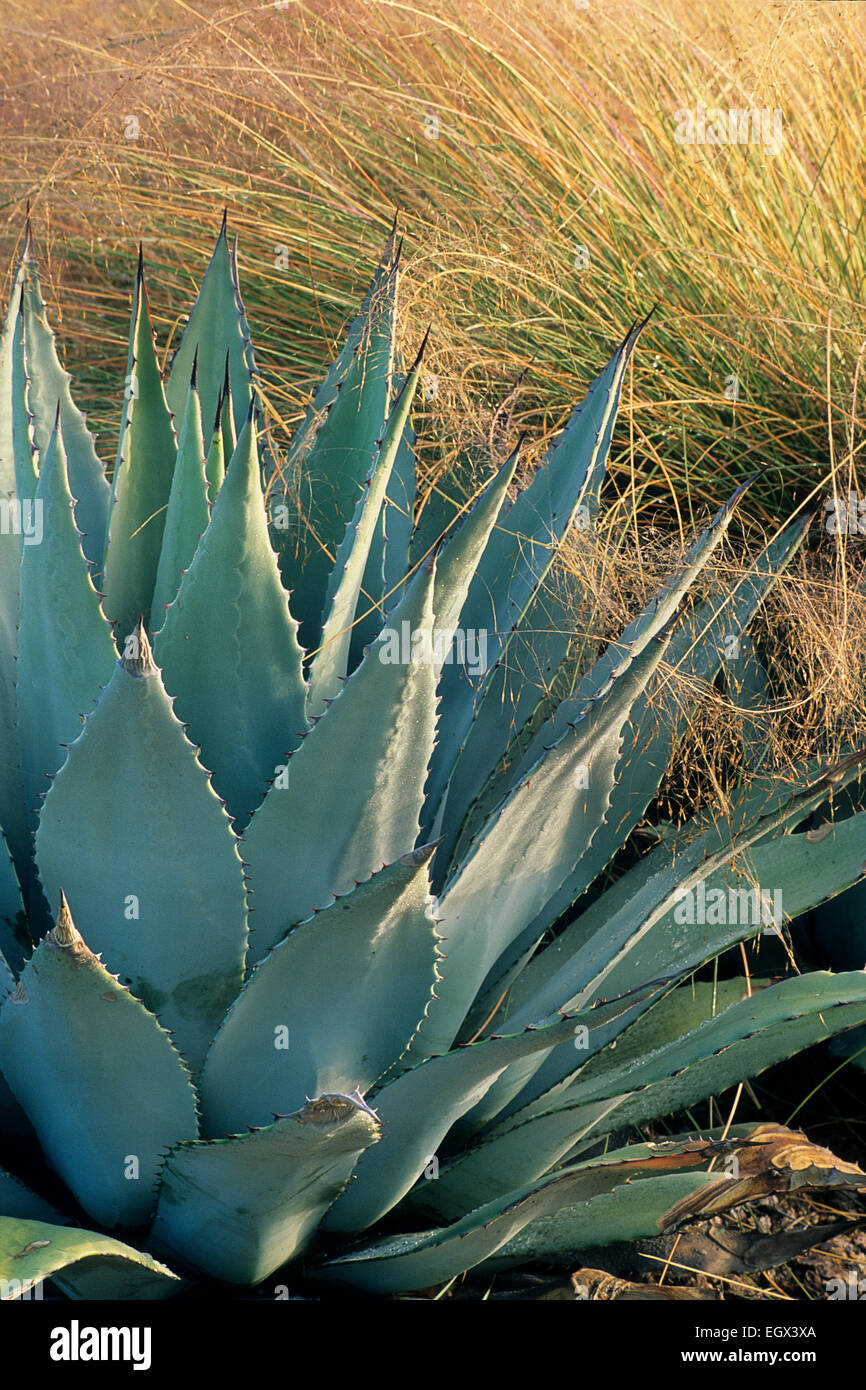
529 1143
48 383
15 942
217 326
8 349
563 491
142 480
227 423
748 687
447 498
653 924
7 979
684 1008
522 549
661 609
83 1264
23 446
314 495
461 555
332 1007
229 648
500 887
629 1211
169 916
636 1208
521 687
13 1121
329 832
388 561
188 512
242 1206
331 660
397 514
521 1153
65 649
399 1263
695 654
109 1093
660 713
568 789
738 1042
12 817
215 463
634 926
418 1109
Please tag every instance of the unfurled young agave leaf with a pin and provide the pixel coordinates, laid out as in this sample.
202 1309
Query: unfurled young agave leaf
215 463
373 1004
388 560
218 337
142 481
188 513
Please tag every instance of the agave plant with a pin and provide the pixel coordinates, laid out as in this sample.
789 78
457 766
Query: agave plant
285 873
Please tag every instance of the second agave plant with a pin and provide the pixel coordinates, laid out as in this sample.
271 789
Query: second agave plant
296 795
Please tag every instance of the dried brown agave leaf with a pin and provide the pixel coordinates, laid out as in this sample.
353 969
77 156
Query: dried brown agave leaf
748 1252
774 1159
595 1285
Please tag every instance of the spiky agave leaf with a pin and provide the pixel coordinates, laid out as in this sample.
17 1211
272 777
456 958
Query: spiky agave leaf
170 917
110 1091
142 479
313 496
59 680
289 1173
47 384
188 513
229 646
321 1013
